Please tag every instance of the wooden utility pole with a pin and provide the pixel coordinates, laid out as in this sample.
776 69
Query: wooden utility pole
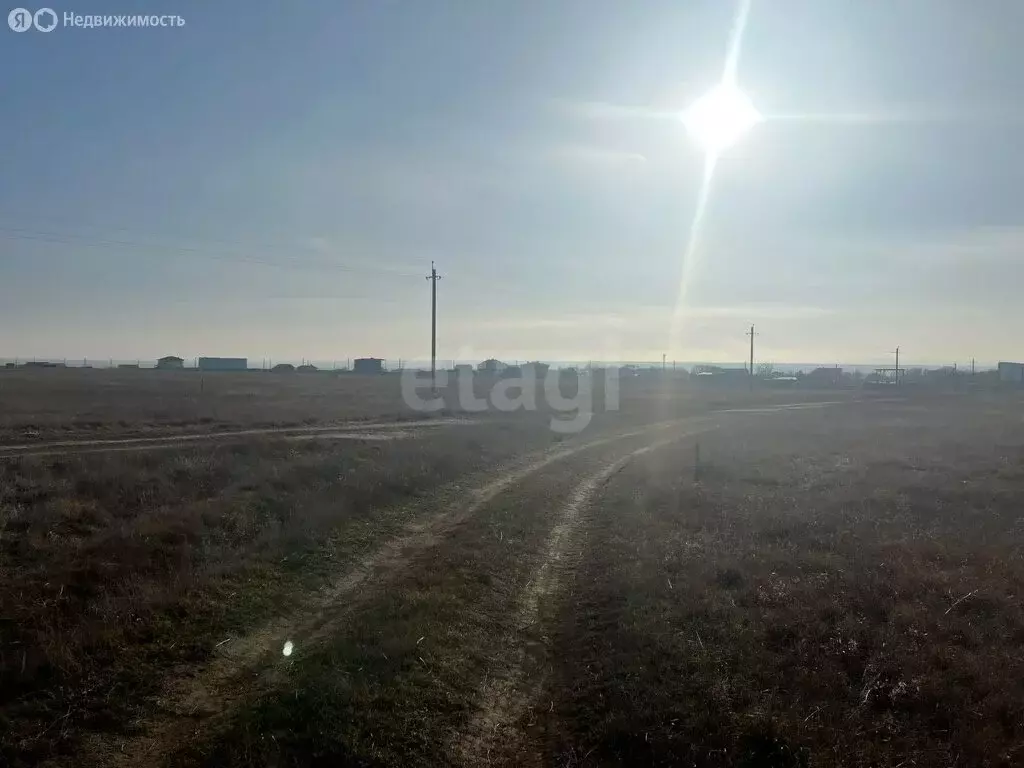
751 334
433 277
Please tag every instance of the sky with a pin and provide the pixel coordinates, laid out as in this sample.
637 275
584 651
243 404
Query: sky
276 184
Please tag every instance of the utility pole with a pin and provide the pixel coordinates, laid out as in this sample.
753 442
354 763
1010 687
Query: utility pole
972 366
897 353
751 334
662 362
433 277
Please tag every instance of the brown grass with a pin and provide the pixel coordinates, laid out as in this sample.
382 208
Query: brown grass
838 589
116 569
55 403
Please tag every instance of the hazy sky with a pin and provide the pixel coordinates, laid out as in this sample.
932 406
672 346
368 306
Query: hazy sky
275 184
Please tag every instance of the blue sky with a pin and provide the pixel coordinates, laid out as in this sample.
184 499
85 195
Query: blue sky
275 184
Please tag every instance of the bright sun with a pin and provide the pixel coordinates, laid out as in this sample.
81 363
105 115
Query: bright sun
719 118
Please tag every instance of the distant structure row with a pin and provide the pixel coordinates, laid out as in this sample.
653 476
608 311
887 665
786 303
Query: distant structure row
172 362
1006 373
367 365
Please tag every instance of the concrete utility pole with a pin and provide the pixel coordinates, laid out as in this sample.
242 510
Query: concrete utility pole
433 277
897 353
751 334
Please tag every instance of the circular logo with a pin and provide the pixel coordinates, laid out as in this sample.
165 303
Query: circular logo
20 20
45 20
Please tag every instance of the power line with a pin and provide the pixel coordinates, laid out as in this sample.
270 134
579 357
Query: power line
433 277
751 334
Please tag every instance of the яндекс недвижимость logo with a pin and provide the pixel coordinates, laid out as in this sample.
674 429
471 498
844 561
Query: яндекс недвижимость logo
47 20
22 19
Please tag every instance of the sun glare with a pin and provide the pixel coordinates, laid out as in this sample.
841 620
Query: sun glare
719 118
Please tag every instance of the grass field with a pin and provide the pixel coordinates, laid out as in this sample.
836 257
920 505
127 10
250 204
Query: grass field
834 585
842 592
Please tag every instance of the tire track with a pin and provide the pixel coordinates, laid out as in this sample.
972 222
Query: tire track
247 665
505 698
345 430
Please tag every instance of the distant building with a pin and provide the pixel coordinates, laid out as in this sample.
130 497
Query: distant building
223 364
491 366
462 368
283 368
306 368
1011 373
368 365
170 363
884 377
825 376
128 365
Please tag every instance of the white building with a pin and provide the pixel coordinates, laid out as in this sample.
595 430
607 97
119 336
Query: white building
1011 373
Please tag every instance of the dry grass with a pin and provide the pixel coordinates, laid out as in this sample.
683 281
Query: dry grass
836 590
54 403
116 569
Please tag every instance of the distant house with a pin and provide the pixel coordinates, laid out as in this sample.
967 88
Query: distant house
1011 373
306 368
223 364
283 368
170 363
491 366
368 365
824 376
462 368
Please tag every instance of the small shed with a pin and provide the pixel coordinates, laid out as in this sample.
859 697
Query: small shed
368 365
1011 373
170 363
491 366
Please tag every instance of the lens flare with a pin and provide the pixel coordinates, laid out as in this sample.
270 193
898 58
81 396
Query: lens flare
720 117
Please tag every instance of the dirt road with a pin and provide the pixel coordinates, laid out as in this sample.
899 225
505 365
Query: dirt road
353 430
459 596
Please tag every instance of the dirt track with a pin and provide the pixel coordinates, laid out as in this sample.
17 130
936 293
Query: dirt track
199 705
355 430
